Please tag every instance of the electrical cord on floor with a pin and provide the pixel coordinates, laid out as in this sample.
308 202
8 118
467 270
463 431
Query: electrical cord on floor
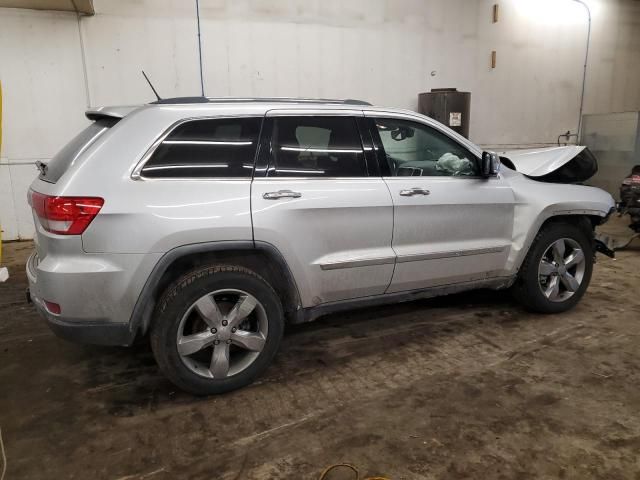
327 470
4 458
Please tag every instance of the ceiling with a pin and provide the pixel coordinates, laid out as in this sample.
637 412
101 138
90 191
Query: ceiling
79 6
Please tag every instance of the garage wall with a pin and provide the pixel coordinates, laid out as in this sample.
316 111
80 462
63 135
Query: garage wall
384 51
42 96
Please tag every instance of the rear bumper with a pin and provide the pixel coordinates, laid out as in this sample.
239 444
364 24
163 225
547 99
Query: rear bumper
86 332
94 301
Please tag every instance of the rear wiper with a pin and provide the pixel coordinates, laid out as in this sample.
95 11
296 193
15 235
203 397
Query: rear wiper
42 167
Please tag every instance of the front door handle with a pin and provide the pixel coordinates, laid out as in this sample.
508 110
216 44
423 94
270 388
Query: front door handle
281 194
414 191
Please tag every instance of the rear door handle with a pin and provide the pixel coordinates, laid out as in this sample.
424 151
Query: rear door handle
414 191
281 194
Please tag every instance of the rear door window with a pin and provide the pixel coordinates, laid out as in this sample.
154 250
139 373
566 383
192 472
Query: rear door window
66 157
316 147
210 148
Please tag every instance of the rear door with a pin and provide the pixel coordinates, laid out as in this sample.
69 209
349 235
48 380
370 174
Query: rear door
318 198
450 225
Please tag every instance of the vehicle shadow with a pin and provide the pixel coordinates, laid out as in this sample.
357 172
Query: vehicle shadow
127 381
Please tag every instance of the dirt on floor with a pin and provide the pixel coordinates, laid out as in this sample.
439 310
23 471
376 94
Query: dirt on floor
466 386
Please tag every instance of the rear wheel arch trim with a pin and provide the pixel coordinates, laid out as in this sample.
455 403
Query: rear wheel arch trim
141 315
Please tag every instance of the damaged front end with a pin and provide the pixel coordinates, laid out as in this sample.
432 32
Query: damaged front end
604 243
568 164
571 164
629 205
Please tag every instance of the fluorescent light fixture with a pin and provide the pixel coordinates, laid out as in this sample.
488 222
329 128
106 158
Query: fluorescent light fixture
556 12
205 142
291 170
322 150
172 167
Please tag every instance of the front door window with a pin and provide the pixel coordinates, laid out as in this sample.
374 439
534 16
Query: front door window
413 149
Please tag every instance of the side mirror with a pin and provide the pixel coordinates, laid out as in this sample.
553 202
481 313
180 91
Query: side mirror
490 164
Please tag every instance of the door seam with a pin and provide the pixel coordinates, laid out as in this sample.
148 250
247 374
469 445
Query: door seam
393 229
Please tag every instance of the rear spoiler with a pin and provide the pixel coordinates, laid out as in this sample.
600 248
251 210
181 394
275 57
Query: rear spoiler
116 113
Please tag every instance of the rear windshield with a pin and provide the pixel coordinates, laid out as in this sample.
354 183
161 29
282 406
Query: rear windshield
61 162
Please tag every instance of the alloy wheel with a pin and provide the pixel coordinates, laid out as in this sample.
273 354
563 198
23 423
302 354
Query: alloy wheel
222 333
561 269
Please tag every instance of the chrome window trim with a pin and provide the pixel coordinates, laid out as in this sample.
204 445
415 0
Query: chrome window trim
136 174
286 179
195 179
378 177
461 177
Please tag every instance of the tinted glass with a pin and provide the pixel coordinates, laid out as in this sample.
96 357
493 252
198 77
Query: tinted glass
414 149
61 162
222 147
316 147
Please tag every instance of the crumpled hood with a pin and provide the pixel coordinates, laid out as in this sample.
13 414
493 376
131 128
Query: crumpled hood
536 162
568 164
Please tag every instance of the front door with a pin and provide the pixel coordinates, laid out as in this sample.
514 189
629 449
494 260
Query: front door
450 225
321 202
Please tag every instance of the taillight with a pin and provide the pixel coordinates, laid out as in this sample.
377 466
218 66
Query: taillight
65 215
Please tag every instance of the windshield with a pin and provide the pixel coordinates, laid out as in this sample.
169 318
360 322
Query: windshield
61 162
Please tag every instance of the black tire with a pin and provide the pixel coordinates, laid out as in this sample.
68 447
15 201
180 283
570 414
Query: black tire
181 295
527 288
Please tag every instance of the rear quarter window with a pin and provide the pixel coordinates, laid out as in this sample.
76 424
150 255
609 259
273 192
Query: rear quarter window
70 153
208 148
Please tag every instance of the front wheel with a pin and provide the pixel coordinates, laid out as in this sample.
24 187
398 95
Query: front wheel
557 269
216 329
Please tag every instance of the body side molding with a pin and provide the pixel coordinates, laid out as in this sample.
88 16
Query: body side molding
451 254
365 262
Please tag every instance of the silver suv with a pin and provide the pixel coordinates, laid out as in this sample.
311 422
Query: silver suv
208 224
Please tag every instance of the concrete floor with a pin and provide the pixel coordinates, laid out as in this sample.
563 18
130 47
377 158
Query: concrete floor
468 386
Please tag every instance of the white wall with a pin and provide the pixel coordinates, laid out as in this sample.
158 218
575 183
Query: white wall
383 51
42 94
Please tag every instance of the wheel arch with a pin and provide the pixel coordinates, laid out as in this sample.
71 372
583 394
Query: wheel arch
586 220
260 257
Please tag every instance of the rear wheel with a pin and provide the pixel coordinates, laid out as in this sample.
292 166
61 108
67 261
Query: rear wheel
216 329
557 270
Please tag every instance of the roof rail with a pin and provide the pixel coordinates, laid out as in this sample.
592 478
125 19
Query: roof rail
183 100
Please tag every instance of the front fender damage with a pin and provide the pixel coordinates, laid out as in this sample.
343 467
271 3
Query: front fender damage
539 202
